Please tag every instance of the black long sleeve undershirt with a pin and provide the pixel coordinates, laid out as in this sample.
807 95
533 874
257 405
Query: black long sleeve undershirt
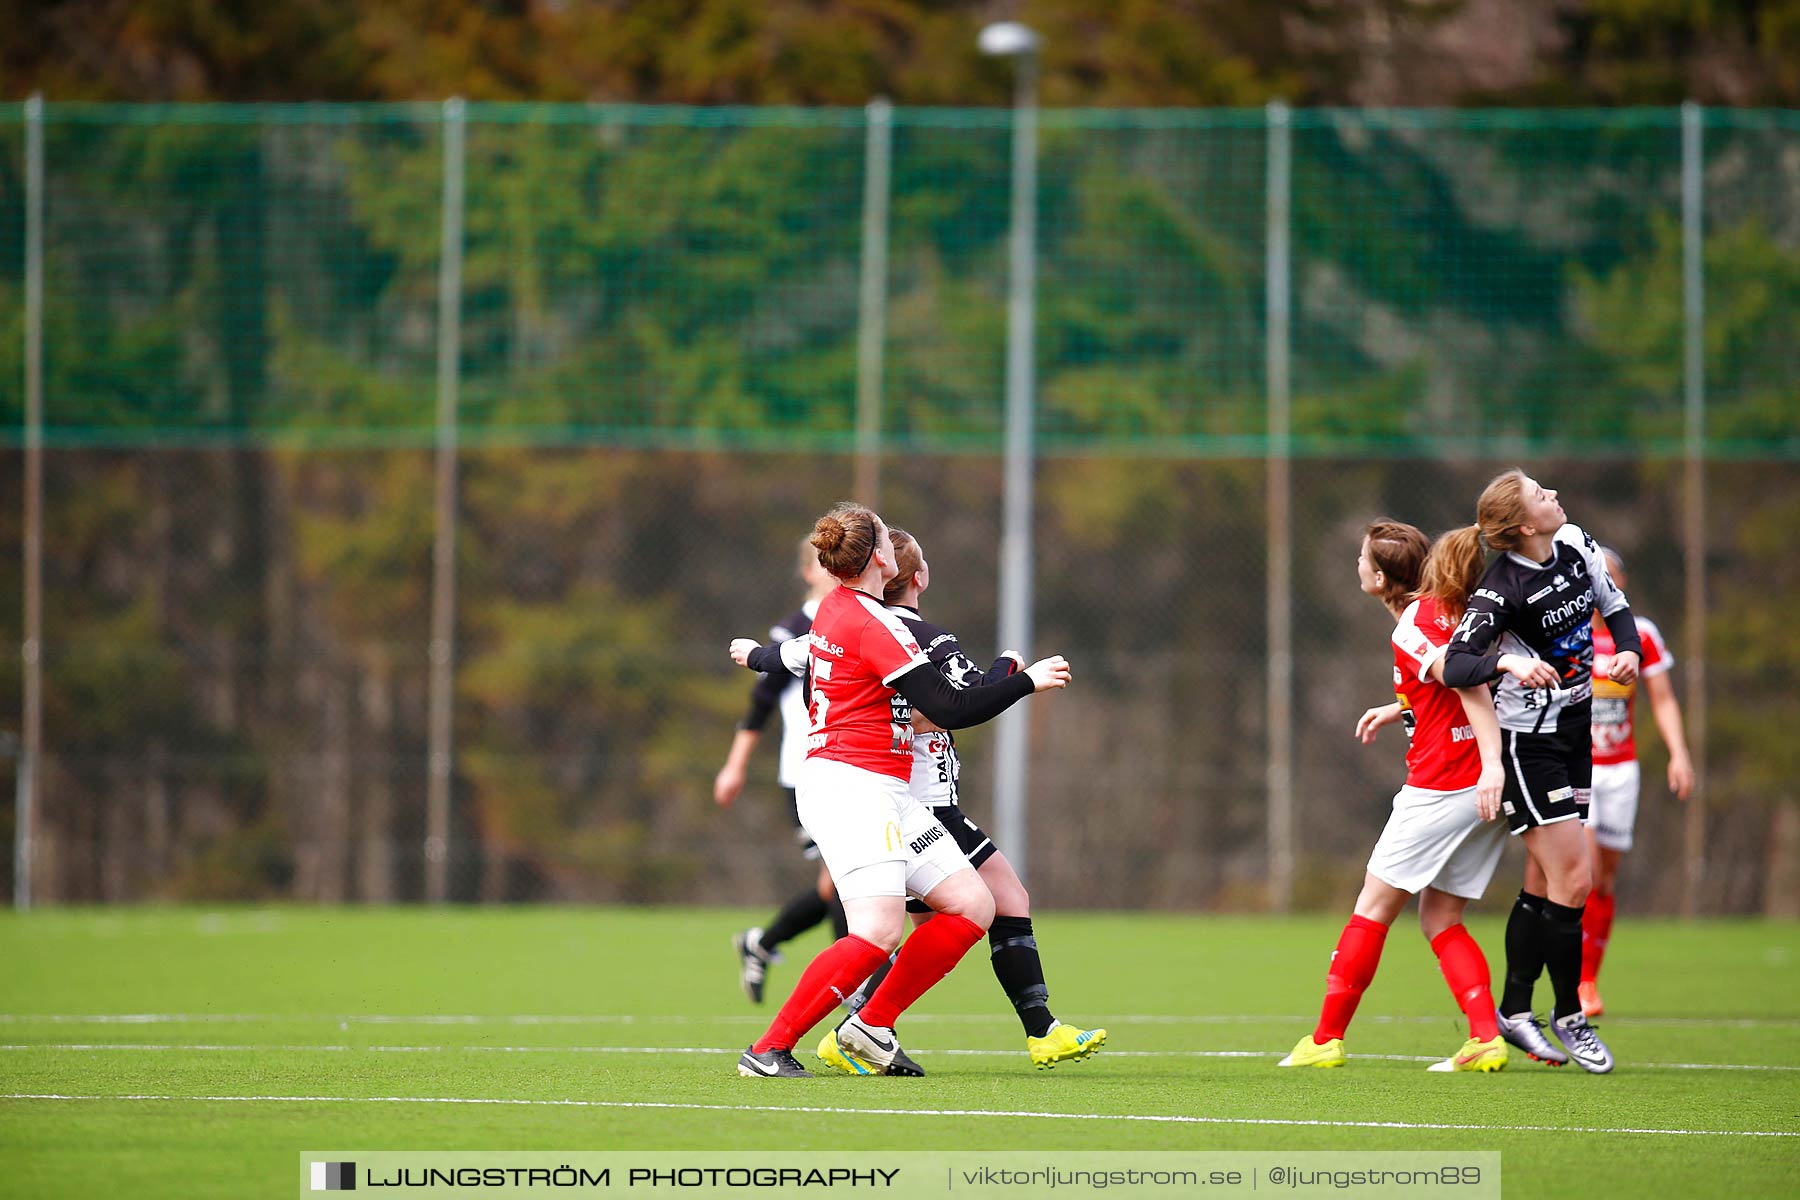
767 659
1464 670
1623 627
950 707
926 689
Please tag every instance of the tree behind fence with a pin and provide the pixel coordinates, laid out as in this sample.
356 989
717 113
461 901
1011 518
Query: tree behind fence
657 371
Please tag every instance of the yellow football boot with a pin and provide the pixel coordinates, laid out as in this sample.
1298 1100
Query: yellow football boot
1063 1043
833 1055
1308 1053
1477 1055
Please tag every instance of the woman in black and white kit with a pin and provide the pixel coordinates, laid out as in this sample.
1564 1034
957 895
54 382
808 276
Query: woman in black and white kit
1535 603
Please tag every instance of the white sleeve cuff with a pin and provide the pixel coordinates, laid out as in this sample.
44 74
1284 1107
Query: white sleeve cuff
794 655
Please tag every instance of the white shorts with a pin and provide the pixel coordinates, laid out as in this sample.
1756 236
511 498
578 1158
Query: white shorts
1613 814
1434 839
875 838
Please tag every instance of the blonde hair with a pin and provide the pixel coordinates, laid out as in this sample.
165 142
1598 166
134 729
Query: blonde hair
1454 566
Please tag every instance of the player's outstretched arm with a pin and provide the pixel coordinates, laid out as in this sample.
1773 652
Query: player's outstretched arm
788 656
952 708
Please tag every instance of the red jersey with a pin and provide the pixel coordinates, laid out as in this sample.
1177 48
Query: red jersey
1441 755
1614 741
857 649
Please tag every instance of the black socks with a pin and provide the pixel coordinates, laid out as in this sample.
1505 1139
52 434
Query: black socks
1542 934
1562 954
1017 967
1524 953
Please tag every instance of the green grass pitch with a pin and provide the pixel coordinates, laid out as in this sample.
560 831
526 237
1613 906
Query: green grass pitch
253 1034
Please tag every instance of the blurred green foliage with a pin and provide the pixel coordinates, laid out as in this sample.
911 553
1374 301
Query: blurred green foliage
241 339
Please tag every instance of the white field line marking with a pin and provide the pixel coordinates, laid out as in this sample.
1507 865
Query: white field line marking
762 1019
1170 1118
726 1050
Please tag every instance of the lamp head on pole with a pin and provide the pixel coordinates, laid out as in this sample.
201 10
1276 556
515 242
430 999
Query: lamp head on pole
1007 39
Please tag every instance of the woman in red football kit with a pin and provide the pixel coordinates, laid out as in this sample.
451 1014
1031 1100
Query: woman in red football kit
868 675
1437 844
936 784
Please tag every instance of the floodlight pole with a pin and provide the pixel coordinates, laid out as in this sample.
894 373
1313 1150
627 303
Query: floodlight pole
1011 761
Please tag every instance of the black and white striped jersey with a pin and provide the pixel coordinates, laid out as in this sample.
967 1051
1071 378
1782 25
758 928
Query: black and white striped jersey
1540 610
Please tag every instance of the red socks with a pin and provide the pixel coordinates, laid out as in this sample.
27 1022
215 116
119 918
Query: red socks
831 976
925 958
1466 971
1353 965
1596 931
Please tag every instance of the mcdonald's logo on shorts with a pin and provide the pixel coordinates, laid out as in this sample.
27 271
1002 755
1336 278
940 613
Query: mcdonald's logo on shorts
892 836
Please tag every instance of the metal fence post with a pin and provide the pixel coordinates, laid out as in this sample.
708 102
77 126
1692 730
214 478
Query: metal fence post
1693 288
443 553
1012 737
1280 552
31 645
871 329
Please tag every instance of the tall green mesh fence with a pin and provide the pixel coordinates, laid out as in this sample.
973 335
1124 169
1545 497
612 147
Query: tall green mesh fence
657 376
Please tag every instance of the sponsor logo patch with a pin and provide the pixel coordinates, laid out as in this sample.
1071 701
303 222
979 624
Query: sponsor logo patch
918 844
824 646
1574 606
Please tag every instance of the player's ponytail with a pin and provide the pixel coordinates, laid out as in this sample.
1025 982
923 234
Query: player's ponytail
1452 570
845 538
